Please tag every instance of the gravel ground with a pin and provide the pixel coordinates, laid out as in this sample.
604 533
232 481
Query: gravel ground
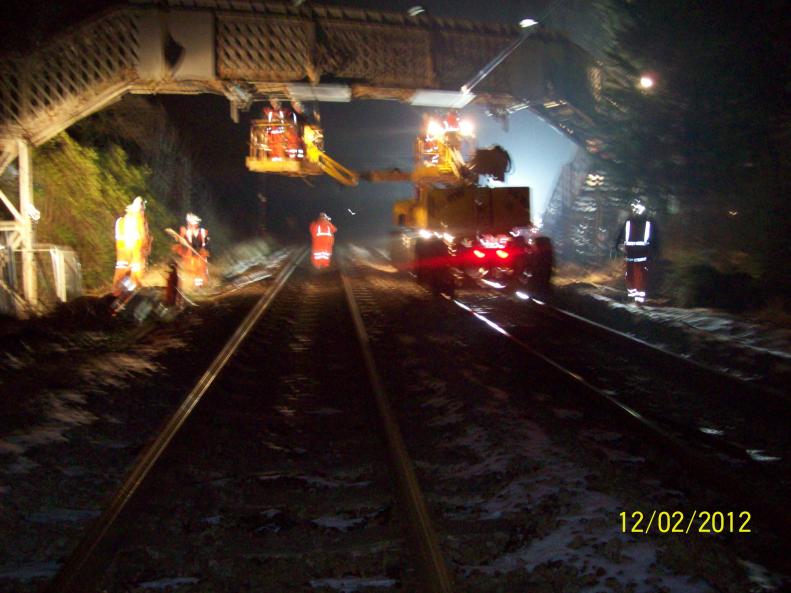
757 352
279 479
742 425
82 395
526 486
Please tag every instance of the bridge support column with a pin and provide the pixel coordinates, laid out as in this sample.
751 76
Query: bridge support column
28 212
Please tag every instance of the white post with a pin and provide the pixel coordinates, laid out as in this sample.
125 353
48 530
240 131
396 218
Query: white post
59 273
26 208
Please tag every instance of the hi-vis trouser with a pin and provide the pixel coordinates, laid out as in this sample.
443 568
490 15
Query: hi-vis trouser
637 269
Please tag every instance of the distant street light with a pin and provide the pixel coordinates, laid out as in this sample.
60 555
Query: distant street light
415 10
646 82
525 23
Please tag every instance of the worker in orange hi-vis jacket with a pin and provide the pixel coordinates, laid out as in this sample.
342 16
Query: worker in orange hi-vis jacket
132 246
322 232
194 250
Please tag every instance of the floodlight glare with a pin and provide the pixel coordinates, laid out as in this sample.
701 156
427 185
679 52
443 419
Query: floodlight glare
434 128
466 127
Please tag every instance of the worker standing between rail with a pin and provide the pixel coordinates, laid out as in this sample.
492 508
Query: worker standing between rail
322 233
132 246
640 241
194 250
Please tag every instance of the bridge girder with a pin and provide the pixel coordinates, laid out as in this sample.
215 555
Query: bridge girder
248 51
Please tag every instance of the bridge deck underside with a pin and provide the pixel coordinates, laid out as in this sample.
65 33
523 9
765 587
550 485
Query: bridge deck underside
259 51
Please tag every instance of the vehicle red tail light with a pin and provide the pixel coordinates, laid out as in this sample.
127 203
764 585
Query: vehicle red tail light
502 254
478 253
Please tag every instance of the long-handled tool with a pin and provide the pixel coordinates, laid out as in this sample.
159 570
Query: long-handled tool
185 243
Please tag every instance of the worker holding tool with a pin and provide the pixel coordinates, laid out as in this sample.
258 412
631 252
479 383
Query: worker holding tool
192 247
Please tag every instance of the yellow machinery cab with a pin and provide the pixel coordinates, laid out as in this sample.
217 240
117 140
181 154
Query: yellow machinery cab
441 152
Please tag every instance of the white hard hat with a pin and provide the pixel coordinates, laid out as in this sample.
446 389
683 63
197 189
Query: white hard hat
193 218
136 206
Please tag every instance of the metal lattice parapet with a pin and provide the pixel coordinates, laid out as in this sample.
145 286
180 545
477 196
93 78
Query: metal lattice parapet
73 68
42 93
378 53
104 53
263 49
390 56
460 55
257 48
10 93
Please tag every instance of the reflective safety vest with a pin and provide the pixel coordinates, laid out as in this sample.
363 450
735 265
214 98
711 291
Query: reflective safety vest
640 240
637 232
324 230
130 229
197 237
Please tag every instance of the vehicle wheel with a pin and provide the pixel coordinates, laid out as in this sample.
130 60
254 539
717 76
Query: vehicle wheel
448 283
518 279
418 269
542 270
435 282
419 259
442 281
540 282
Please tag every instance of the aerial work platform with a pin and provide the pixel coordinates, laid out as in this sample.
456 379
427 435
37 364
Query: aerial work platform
287 147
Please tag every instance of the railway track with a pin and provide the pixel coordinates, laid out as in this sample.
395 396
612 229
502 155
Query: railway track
743 419
717 425
272 473
277 479
702 375
727 434
479 412
739 418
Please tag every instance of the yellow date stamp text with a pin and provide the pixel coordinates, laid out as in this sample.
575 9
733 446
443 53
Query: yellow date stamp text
685 522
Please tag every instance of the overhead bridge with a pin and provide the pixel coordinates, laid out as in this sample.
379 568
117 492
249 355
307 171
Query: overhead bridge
252 50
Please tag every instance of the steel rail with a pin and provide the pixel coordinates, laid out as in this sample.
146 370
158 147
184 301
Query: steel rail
77 574
775 517
433 569
703 373
699 375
